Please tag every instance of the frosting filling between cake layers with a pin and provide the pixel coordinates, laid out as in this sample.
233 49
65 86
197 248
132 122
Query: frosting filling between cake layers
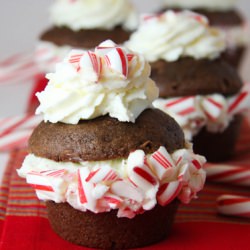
213 111
131 185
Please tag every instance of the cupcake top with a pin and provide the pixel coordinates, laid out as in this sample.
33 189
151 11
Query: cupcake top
176 35
222 5
111 80
93 14
116 152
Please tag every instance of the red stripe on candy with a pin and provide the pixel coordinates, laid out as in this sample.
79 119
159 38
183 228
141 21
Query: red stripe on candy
145 175
216 104
187 111
162 160
232 201
179 100
237 101
196 164
123 60
92 174
82 196
42 187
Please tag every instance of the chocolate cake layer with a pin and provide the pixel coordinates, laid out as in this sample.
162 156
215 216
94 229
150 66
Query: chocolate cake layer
218 147
106 138
188 76
106 230
234 55
86 39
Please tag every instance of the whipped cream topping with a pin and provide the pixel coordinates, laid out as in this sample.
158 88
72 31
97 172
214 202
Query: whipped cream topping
131 185
213 111
111 80
172 35
220 5
94 14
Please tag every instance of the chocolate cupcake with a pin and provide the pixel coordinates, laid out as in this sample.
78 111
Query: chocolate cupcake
111 168
83 24
224 16
197 87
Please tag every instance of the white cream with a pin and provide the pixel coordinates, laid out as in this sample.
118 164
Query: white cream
172 35
110 80
94 14
220 5
129 185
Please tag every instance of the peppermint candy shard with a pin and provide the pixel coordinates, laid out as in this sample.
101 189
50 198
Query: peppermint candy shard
182 106
234 205
168 192
105 47
117 60
162 161
90 60
74 58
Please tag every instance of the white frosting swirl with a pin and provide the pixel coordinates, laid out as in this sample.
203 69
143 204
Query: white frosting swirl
172 35
131 185
94 14
221 5
87 85
215 112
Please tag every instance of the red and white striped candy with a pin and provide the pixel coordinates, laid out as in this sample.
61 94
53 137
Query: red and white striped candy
139 172
168 192
126 190
91 61
213 106
102 174
183 174
162 163
103 48
237 175
85 189
18 68
15 131
48 184
181 106
113 201
10 124
16 139
239 103
74 58
117 60
234 205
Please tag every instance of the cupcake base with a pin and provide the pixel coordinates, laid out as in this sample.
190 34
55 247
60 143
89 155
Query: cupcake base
234 56
106 230
217 147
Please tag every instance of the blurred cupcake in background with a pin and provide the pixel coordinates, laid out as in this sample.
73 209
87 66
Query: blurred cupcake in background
83 24
197 87
223 15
